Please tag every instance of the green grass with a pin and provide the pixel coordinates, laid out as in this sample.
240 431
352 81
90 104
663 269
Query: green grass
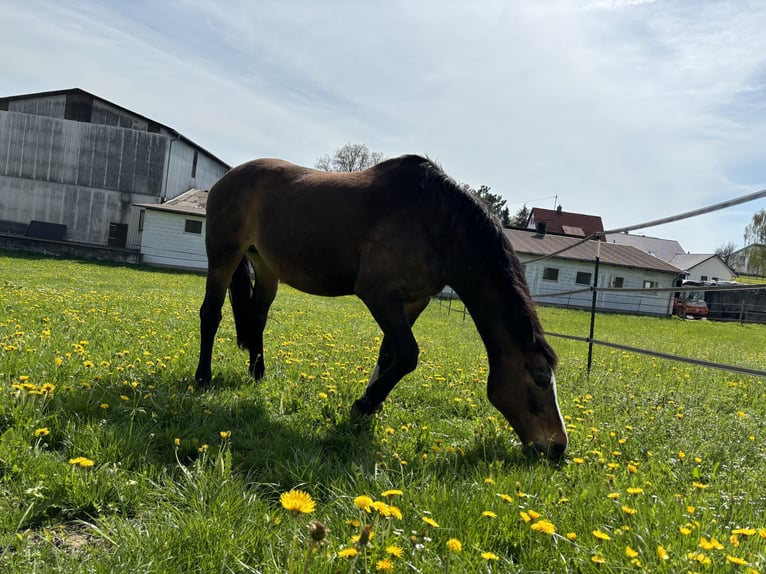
97 361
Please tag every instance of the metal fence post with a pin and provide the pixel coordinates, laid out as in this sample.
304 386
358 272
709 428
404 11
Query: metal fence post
593 305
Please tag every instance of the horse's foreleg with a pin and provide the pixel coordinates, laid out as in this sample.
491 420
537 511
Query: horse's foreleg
398 353
412 311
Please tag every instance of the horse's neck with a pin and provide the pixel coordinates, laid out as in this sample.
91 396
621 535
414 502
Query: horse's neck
487 304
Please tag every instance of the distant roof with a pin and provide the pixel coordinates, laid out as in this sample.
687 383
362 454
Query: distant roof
79 91
689 260
665 249
532 243
565 222
192 202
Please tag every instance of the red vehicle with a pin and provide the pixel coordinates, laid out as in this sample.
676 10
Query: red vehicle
690 303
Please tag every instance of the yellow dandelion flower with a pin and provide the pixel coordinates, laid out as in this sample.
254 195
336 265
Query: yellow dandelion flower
391 493
525 517
613 495
544 526
744 531
601 535
506 497
225 434
628 510
395 551
700 557
489 480
685 530
430 521
382 508
363 502
490 556
598 559
81 461
699 485
297 501
635 490
711 544
44 431
384 565
489 514
630 553
124 398
735 560
177 441
454 545
347 553
662 554
578 460
571 536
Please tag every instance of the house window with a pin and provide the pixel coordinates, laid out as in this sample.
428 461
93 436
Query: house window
193 226
550 274
141 220
703 277
617 282
582 278
650 284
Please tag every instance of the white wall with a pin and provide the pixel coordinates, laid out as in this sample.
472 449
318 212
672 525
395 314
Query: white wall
164 241
711 268
632 302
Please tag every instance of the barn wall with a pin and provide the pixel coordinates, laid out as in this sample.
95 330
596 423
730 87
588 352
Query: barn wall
164 241
183 175
710 268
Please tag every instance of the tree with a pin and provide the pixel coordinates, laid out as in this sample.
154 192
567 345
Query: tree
521 217
755 236
494 203
350 157
726 253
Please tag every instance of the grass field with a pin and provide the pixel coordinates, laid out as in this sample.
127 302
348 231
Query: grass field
112 461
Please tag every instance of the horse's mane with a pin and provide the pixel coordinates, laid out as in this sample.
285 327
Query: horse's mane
491 244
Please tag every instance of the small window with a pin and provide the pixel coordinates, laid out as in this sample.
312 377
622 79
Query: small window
141 215
617 282
550 274
193 226
582 278
650 284
703 277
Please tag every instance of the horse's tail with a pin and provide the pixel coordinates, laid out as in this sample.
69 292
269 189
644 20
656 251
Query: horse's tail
241 295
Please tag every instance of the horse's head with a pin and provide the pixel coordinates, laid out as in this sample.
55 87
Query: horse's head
522 387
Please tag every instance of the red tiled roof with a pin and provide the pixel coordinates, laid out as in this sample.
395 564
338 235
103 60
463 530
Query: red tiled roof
565 222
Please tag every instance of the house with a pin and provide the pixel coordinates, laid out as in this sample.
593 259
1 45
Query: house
173 233
73 164
620 267
703 267
665 249
750 260
559 221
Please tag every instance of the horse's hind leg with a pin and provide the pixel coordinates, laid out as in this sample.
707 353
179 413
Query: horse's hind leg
264 291
219 275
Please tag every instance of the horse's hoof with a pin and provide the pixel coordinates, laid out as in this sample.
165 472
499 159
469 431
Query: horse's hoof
362 408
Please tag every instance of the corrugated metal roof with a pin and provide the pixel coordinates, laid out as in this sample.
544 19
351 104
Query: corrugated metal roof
665 249
532 243
556 220
192 202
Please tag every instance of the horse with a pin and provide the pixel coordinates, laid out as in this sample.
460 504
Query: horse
393 235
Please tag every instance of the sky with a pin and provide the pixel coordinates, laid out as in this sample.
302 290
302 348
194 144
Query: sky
627 109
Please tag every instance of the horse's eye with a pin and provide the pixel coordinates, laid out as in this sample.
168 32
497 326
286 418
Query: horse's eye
541 376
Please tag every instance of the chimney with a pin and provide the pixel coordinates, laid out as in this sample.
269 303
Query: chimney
542 227
558 210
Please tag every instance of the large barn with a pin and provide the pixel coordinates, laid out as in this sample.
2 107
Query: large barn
73 165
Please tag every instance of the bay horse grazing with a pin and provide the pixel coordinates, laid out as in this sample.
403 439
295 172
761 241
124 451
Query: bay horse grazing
393 235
